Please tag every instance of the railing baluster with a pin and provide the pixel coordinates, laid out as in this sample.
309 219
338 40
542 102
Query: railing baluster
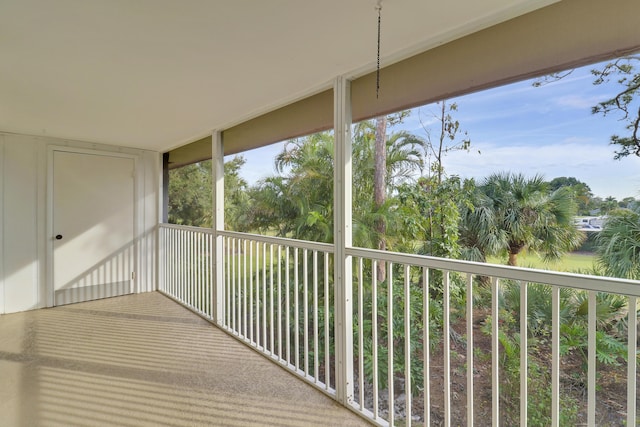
233 296
251 285
171 252
184 265
555 356
169 259
258 294
199 254
446 332
315 317
180 268
374 336
392 408
227 275
192 273
192 270
327 332
296 307
209 281
632 348
188 269
199 271
271 286
305 297
245 318
287 316
591 369
177 269
264 297
240 296
425 347
279 263
360 336
470 366
524 350
495 347
407 345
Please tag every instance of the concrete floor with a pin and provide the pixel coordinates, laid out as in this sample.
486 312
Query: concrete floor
143 360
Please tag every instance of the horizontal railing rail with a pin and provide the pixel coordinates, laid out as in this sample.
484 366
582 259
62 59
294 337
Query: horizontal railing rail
434 340
557 278
282 241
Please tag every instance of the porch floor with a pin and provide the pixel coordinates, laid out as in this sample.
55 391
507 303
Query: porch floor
143 360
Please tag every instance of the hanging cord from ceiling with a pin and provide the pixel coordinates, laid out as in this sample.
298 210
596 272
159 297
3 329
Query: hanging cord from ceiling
379 10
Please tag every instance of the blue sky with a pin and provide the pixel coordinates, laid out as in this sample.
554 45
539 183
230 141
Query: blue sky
546 130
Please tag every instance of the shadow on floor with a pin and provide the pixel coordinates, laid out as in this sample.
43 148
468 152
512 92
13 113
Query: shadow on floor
143 360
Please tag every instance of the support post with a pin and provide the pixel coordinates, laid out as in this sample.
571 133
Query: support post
165 187
217 268
342 192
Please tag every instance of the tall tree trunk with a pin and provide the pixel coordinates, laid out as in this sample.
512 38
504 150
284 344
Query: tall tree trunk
443 133
513 259
380 186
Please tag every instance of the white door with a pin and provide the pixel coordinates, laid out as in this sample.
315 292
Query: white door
93 226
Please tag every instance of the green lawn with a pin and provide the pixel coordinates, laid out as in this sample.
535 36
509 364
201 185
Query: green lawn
572 262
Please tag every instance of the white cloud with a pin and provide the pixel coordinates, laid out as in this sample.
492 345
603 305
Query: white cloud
578 102
590 163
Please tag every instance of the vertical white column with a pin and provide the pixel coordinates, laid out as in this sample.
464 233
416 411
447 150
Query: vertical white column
342 191
217 268
49 273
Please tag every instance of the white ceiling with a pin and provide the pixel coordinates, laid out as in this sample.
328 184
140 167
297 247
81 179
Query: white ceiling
156 74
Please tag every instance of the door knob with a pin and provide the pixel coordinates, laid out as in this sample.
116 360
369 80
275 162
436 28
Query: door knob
59 237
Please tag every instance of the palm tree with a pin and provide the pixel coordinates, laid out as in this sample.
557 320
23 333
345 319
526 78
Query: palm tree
513 212
299 202
404 161
619 244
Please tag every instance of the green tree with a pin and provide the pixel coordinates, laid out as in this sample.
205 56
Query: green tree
298 202
623 78
448 137
429 215
190 195
619 244
380 187
623 71
236 199
581 191
511 212
628 203
608 204
404 162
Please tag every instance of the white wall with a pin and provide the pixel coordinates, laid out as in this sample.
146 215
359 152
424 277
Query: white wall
23 215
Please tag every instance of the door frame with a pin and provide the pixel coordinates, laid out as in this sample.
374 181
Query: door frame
49 236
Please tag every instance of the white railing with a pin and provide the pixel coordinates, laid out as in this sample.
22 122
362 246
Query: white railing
390 310
185 266
278 297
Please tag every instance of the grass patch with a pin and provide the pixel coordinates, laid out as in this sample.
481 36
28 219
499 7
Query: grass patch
571 262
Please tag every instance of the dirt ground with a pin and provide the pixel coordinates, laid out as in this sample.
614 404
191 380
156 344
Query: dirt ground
611 393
